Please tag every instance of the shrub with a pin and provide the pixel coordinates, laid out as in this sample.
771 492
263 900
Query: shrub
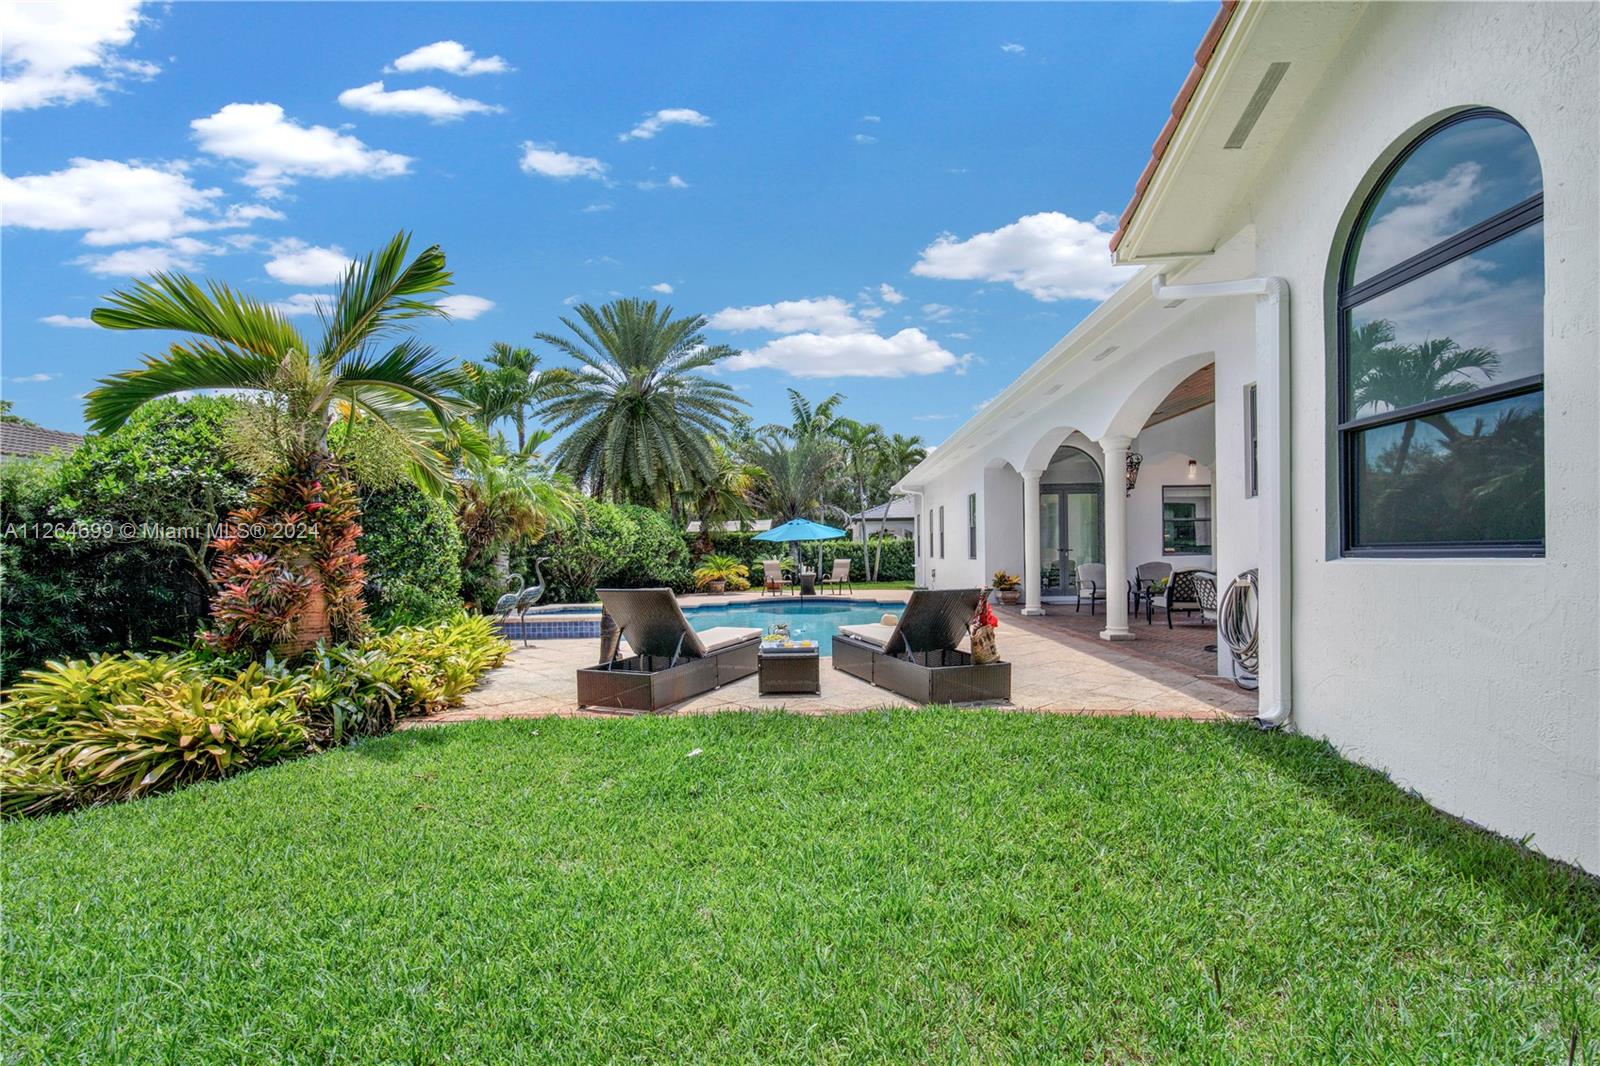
167 469
413 552
724 568
119 727
611 546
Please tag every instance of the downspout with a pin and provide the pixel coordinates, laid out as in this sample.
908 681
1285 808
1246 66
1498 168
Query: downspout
1272 407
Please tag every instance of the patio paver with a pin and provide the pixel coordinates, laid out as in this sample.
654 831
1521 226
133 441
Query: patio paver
1057 668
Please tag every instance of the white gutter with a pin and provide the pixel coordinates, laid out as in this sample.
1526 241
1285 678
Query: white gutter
1272 407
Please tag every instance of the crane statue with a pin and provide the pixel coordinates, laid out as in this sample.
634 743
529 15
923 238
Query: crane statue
529 596
505 605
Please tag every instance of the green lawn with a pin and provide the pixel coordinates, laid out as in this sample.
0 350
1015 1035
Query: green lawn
923 885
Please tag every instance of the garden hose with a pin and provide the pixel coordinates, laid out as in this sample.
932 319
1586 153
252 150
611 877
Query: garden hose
1237 624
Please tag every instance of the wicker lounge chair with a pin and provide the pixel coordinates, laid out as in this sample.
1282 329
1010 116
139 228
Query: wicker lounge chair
918 655
1183 594
771 577
840 578
671 662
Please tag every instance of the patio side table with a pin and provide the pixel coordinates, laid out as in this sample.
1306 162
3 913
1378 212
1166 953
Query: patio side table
808 583
790 671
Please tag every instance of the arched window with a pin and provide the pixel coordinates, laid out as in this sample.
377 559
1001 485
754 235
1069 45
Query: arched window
1441 349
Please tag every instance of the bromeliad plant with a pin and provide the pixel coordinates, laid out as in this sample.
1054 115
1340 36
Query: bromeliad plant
356 366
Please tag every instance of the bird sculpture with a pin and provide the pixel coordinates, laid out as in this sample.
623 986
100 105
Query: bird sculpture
530 596
508 603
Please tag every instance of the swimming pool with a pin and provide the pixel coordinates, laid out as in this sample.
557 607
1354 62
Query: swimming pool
816 620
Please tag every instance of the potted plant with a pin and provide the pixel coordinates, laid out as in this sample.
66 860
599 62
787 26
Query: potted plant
717 574
1008 585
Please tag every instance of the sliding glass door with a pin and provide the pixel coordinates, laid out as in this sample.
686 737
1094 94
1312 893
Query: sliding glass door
1071 532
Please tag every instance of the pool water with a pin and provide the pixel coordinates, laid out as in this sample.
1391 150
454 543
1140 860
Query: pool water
810 620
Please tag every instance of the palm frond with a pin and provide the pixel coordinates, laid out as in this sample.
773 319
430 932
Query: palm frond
185 368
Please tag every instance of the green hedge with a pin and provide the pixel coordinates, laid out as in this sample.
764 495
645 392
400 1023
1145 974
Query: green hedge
898 563
414 552
609 546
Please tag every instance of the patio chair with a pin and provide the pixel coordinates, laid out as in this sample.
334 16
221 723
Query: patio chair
671 662
918 656
1183 594
1091 584
840 578
772 577
1145 576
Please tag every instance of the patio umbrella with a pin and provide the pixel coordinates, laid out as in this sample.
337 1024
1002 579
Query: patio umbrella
799 529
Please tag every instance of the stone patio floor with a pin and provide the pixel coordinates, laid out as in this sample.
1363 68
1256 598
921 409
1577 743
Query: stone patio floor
1057 667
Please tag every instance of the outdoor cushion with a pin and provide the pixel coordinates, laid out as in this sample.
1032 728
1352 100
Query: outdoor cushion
719 637
871 632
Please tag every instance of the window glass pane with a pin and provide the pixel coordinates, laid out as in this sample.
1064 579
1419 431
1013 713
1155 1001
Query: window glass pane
1474 474
1186 520
1470 323
1455 179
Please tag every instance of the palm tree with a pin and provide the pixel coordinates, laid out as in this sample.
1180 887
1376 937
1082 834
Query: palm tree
274 591
244 345
526 385
488 393
795 473
808 419
640 418
726 495
897 454
860 442
1389 376
506 499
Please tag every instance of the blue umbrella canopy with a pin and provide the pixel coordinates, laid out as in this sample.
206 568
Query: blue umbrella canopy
801 529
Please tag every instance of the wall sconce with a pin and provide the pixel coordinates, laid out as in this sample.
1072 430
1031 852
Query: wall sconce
1194 469
1132 474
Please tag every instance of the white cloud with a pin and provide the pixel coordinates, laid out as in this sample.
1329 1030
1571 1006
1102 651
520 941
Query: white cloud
452 57
428 102
305 303
868 355
31 379
656 121
871 313
56 53
937 312
889 294
662 287
546 160
672 182
569 300
1012 48
180 253
827 314
114 202
1050 256
871 118
295 262
933 418
862 138
596 208
465 307
280 150
68 321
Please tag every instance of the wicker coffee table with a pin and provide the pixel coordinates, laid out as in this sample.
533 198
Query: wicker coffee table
790 671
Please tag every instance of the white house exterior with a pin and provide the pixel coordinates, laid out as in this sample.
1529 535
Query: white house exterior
896 518
1429 560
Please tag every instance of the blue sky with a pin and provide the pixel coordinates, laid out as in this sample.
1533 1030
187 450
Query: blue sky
921 192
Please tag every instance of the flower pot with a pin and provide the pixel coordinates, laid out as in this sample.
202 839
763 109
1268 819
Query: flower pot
1009 596
717 588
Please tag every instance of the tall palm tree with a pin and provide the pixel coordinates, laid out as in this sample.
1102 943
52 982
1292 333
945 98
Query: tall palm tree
241 344
897 454
639 417
488 393
795 473
726 495
859 442
526 385
808 419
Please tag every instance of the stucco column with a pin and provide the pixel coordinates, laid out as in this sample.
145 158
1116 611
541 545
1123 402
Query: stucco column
1030 541
1116 450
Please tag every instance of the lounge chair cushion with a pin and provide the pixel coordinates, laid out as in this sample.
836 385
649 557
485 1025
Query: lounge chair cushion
720 637
870 632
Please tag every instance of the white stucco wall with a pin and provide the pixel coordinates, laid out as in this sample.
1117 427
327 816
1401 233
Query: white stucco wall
1472 681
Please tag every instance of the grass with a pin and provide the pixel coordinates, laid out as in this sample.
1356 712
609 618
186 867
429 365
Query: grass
933 885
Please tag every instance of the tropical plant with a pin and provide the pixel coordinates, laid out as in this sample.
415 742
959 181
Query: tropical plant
638 416
1005 582
610 546
795 473
526 386
724 496
860 443
722 570
413 551
897 454
241 344
808 420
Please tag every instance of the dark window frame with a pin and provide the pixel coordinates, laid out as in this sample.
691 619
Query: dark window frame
1475 238
1207 521
941 531
972 525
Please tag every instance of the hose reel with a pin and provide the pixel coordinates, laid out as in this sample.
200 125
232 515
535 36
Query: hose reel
1238 618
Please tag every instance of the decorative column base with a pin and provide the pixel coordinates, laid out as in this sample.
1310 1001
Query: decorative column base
1032 612
1116 634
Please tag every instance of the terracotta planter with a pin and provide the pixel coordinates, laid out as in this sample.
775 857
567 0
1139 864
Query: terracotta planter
1010 596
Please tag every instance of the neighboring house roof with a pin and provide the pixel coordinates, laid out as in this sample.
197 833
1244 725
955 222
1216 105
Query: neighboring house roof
900 507
755 525
24 438
1180 104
